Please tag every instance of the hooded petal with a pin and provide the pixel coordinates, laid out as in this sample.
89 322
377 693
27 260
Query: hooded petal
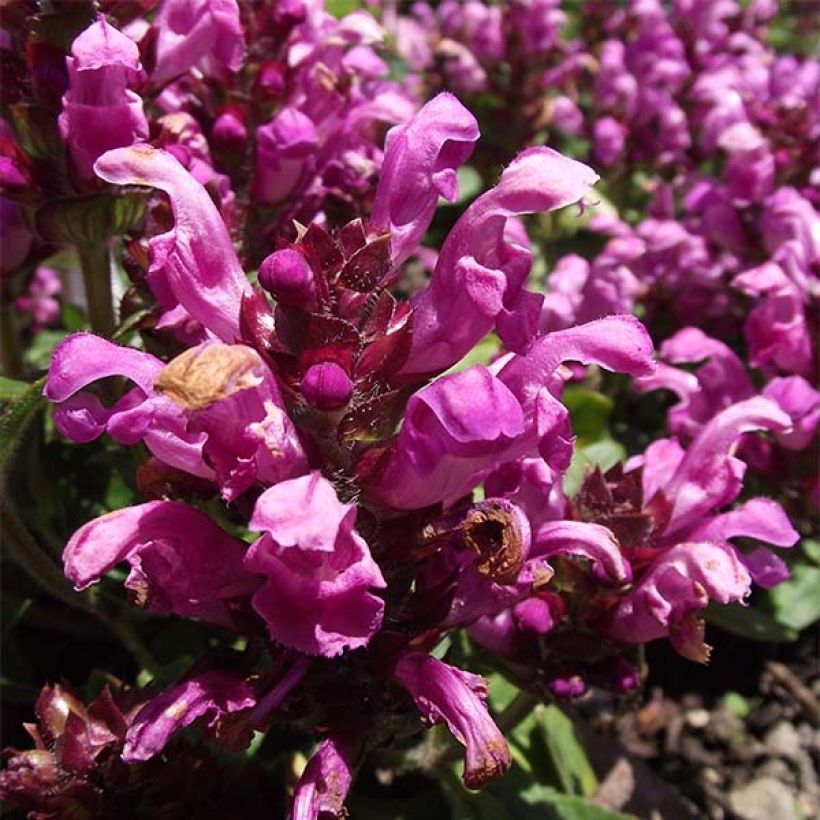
420 162
759 518
679 583
203 34
318 569
455 431
795 396
445 693
709 477
210 695
618 343
590 541
196 257
181 561
83 358
480 270
99 112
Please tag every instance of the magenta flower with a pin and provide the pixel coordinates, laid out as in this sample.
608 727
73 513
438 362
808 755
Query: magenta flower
318 569
285 155
479 275
100 112
210 695
194 261
198 34
422 155
324 784
39 298
446 694
181 561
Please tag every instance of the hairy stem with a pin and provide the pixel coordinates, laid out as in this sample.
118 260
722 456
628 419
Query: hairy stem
95 262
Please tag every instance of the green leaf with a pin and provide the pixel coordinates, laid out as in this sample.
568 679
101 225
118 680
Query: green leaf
603 453
543 802
749 622
39 352
482 353
469 185
517 797
737 704
796 602
589 412
341 8
73 318
12 388
15 417
20 546
811 548
557 757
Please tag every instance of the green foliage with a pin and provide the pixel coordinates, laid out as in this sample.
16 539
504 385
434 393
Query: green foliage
16 415
518 796
796 602
749 622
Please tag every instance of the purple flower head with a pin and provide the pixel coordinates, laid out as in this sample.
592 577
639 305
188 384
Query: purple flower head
796 397
479 272
230 396
444 693
720 382
318 569
680 583
198 34
610 138
39 300
99 111
142 414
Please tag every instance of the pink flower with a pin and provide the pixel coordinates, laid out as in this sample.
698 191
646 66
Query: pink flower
318 569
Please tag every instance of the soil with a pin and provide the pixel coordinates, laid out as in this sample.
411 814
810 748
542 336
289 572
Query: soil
745 746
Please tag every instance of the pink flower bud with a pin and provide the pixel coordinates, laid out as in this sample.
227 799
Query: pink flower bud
229 131
326 386
286 274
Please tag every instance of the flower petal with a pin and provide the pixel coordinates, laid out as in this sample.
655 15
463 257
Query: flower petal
196 257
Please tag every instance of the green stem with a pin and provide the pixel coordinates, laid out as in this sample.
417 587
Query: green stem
519 708
95 262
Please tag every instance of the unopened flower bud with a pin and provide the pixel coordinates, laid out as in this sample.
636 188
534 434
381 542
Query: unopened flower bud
571 686
229 132
326 386
271 82
286 274
624 676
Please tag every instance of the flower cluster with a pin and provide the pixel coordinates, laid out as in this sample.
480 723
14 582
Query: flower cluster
720 234
328 472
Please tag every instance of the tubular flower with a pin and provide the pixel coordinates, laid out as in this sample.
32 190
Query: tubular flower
446 694
100 111
318 569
